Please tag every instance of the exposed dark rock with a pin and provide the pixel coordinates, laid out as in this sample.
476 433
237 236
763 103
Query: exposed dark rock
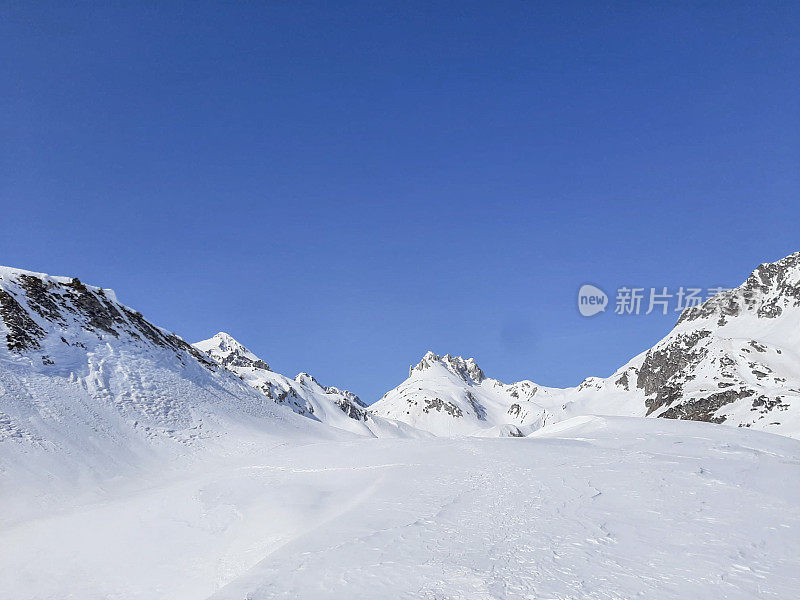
765 404
703 409
42 299
440 405
768 289
100 313
352 411
24 333
662 374
623 381
477 407
349 396
91 309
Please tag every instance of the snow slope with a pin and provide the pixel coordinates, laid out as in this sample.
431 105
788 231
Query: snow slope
90 391
303 394
734 360
588 508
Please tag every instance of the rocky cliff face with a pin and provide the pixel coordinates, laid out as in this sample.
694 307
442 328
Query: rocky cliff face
35 307
769 290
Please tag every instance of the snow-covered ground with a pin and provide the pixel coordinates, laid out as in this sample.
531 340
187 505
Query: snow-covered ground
586 508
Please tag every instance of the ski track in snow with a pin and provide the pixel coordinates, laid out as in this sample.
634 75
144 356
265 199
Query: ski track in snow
592 508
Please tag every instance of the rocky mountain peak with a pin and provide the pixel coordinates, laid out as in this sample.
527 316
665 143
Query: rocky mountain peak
346 394
766 293
304 394
227 342
306 378
229 352
467 369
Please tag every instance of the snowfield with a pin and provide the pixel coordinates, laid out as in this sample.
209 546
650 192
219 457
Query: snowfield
590 507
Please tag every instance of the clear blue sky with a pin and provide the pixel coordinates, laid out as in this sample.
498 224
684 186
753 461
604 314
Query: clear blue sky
343 186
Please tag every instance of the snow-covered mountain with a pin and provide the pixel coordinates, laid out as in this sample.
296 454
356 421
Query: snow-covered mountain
303 394
90 385
735 359
451 396
81 370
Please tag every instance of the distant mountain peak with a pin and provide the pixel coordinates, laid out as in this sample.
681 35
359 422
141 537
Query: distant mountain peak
465 368
304 378
304 394
227 351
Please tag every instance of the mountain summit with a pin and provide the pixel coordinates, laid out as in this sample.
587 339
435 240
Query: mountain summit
450 395
466 369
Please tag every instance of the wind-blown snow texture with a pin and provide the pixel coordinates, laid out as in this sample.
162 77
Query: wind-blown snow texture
734 360
588 508
136 466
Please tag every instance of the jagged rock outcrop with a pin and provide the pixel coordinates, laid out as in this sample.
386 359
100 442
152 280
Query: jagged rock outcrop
734 359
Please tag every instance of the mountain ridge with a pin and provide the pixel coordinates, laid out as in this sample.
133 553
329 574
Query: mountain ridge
732 359
302 394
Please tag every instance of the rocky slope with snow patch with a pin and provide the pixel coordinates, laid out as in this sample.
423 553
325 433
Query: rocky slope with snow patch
735 360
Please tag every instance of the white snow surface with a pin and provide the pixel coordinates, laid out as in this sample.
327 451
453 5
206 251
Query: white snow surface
589 507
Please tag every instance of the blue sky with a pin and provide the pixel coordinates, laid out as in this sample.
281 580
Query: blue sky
343 186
